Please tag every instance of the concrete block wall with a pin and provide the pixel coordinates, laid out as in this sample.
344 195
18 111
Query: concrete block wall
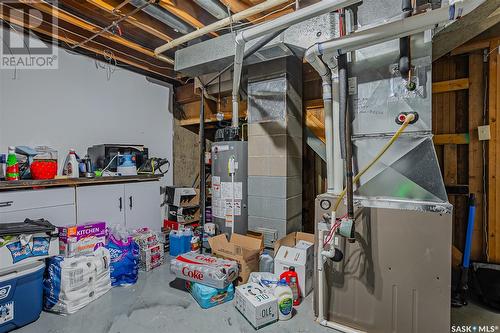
275 154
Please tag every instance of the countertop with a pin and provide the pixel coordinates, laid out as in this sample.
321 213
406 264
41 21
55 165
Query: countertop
29 183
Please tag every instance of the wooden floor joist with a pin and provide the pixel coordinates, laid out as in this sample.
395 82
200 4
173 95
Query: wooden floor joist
47 8
132 20
46 29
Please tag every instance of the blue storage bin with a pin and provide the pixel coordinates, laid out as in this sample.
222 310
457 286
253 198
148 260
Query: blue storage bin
21 295
208 297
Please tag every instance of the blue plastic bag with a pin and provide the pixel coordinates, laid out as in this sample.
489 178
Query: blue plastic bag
124 266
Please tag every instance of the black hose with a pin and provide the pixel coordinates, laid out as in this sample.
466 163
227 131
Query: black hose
346 124
404 43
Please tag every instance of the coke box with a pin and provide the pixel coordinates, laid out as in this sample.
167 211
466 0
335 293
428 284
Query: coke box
210 271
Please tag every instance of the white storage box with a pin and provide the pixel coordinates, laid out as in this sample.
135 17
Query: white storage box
256 304
297 250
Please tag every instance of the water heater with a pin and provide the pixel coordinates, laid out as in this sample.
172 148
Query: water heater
229 186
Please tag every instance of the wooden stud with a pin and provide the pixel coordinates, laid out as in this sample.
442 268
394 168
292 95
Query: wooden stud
451 139
493 159
475 148
450 85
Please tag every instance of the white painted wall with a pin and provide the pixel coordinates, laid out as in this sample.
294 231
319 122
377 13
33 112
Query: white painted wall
76 106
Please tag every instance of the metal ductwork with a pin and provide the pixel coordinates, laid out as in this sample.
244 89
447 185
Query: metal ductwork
213 55
214 7
164 16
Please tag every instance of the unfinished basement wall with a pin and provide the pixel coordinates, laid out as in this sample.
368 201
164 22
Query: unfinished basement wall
76 106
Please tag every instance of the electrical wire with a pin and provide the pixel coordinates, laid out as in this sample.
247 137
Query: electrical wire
409 118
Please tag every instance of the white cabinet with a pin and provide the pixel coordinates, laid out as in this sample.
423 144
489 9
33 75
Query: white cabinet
56 205
100 203
133 205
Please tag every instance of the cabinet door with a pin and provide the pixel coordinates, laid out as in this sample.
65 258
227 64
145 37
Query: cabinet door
100 203
142 202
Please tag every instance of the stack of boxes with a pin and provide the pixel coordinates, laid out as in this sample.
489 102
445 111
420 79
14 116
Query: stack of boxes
208 279
151 252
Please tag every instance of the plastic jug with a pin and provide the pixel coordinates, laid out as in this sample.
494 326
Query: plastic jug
285 300
187 235
176 243
292 279
266 263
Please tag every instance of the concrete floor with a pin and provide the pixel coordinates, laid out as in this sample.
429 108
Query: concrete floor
153 305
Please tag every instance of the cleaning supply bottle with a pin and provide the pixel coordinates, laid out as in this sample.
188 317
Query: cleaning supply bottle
71 166
284 294
175 240
12 169
292 279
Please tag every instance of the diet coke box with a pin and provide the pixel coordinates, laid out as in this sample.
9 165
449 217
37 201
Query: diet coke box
210 271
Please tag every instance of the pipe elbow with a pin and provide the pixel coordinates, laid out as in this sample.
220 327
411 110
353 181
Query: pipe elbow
240 39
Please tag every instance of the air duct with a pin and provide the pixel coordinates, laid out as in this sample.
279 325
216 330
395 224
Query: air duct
282 22
214 7
164 17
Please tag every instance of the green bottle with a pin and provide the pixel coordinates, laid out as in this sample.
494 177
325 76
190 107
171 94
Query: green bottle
12 170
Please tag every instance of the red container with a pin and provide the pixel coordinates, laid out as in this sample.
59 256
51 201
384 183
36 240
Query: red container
43 169
292 279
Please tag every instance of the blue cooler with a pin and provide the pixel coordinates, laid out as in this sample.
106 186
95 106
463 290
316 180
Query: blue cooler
21 295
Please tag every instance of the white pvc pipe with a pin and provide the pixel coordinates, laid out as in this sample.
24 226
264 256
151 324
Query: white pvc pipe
396 29
269 27
244 14
338 162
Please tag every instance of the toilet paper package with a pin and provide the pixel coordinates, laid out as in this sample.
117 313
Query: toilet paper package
72 283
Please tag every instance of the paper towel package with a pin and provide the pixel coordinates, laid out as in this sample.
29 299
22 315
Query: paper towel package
81 239
72 283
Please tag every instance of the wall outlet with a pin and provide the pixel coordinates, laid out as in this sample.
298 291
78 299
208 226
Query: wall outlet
484 132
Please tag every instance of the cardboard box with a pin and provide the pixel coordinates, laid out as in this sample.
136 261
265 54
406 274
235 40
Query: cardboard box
258 306
152 257
291 250
245 250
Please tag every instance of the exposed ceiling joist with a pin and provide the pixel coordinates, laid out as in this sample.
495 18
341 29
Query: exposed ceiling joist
44 7
132 20
35 23
178 8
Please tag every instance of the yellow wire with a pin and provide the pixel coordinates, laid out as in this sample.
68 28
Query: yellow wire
409 118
